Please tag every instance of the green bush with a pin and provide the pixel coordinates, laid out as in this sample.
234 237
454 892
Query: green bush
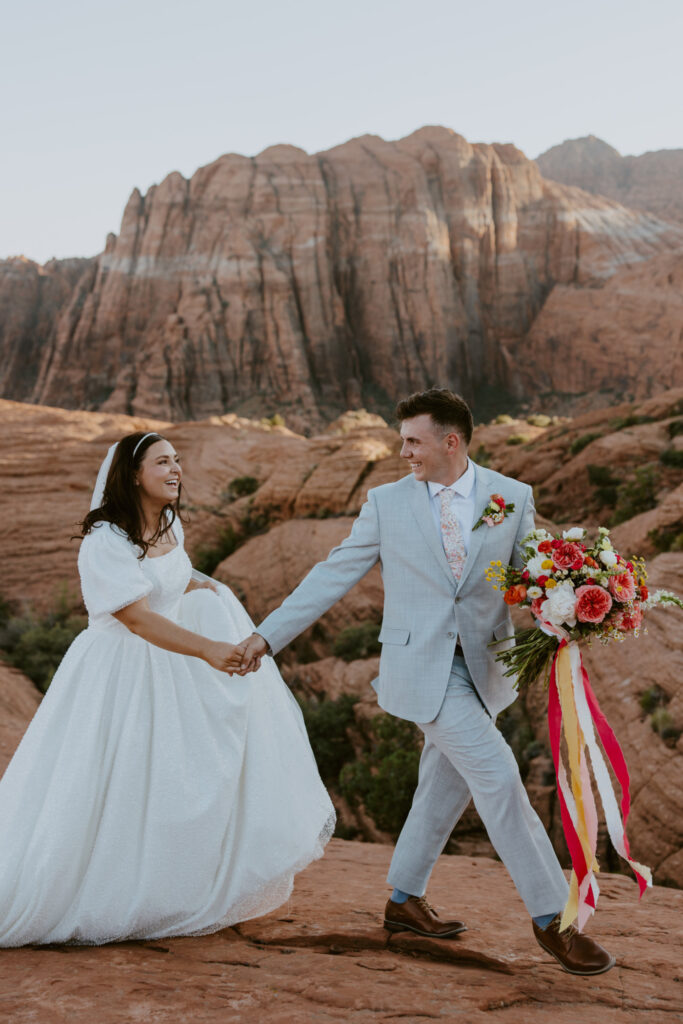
661 719
675 428
482 456
37 644
601 476
357 641
629 421
384 778
636 496
672 457
273 421
503 418
539 420
518 439
206 558
241 486
327 724
579 443
652 698
668 538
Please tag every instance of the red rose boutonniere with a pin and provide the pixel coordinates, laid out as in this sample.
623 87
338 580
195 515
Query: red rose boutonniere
495 512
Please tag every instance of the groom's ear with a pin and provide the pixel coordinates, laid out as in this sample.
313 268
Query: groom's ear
454 441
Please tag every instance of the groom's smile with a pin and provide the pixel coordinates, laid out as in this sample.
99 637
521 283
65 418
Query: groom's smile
432 452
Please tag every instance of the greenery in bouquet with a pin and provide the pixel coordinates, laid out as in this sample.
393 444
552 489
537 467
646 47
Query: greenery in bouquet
576 590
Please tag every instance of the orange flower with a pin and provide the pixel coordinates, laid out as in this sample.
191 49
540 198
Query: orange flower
515 594
591 562
545 546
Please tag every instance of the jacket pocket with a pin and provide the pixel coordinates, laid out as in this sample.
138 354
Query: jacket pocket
388 635
504 630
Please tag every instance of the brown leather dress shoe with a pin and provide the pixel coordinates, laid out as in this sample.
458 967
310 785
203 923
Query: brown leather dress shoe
416 915
576 953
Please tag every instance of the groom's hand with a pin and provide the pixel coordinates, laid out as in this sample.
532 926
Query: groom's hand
252 649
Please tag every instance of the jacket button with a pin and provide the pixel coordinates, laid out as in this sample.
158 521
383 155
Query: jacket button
451 636
457 600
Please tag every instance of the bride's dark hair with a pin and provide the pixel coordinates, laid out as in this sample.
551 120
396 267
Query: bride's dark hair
121 502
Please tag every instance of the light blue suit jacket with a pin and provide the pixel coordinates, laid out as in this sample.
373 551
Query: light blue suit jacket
425 610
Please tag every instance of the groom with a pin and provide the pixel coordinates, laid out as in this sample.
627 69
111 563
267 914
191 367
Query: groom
437 668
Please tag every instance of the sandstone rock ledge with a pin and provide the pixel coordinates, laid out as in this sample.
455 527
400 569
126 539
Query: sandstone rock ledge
324 957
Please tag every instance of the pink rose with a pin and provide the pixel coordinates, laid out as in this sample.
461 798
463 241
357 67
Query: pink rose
592 603
488 520
500 501
622 587
536 606
567 556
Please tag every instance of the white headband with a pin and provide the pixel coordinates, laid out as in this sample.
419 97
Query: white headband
152 434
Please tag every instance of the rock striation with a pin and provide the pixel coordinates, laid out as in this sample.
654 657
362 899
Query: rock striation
310 284
653 181
32 298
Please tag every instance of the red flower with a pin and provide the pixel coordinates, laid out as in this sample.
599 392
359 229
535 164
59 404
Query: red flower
557 543
644 592
500 502
592 603
541 582
514 594
622 587
545 546
629 566
567 556
630 620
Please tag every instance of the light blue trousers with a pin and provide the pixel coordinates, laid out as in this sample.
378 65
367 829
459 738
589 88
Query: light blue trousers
465 757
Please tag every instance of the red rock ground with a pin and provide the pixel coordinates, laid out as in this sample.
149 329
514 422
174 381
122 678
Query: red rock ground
324 957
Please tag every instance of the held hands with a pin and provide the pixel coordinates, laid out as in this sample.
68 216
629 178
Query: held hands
201 585
252 650
224 657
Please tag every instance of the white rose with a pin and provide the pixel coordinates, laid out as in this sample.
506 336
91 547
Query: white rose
534 592
558 608
587 571
535 567
608 558
576 533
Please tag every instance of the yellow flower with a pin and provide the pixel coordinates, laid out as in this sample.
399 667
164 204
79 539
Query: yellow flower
550 584
547 563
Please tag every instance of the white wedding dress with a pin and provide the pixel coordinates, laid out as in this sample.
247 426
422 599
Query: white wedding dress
151 794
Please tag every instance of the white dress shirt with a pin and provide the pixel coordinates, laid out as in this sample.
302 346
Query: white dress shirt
462 503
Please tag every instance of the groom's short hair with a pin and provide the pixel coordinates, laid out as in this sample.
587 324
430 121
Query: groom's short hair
448 410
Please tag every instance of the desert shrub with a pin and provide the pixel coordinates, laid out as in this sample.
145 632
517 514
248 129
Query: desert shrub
273 421
36 644
601 476
662 721
518 439
255 521
327 723
579 443
636 496
241 486
652 698
672 457
668 538
384 778
503 418
482 456
675 428
629 421
357 641
539 420
206 558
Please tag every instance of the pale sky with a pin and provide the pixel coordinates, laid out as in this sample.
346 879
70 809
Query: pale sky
99 98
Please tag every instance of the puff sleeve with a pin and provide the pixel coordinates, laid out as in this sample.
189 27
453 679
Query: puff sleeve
111 574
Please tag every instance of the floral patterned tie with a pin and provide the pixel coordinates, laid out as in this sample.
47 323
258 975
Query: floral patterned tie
453 542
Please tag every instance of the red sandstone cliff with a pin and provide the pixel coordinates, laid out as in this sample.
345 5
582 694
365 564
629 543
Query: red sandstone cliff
653 181
311 284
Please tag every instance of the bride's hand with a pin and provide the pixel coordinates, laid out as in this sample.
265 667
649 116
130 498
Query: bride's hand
222 656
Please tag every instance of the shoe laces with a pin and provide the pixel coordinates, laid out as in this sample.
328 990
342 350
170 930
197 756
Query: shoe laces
422 902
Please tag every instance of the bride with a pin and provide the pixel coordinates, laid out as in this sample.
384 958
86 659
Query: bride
154 794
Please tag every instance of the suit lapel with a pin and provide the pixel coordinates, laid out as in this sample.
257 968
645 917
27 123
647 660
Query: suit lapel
420 503
482 486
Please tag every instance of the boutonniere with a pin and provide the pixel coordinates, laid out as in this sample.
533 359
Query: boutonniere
495 512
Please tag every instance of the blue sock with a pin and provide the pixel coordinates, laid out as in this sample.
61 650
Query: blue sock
544 920
399 896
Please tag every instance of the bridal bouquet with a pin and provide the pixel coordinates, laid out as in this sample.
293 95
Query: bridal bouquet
578 591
